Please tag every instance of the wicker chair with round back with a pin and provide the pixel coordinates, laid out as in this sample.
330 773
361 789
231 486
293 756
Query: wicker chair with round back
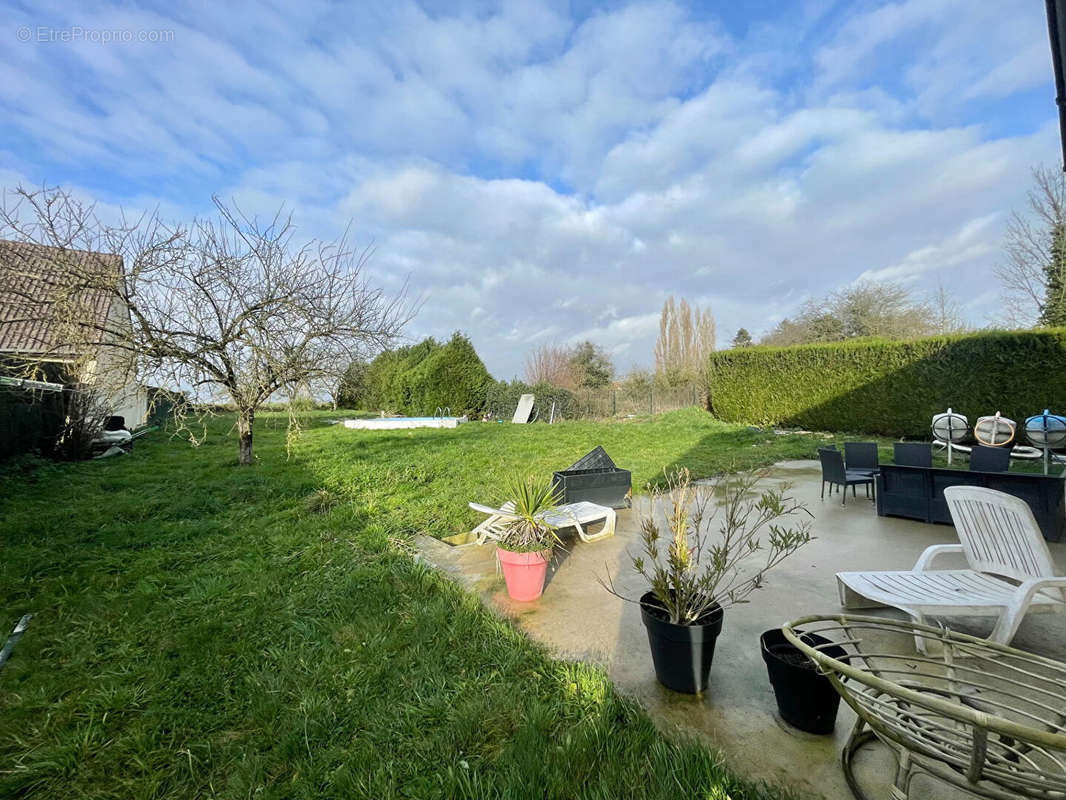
984 717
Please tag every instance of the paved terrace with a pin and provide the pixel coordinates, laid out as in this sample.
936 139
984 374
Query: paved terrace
578 619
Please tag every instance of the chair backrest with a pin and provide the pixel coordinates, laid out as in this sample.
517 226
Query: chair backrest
999 533
989 459
832 465
860 455
913 454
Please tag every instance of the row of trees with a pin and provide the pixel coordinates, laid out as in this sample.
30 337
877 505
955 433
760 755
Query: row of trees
686 338
881 310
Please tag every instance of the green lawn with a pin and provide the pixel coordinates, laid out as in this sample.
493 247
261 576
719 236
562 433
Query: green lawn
207 630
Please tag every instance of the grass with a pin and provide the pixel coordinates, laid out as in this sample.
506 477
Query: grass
207 630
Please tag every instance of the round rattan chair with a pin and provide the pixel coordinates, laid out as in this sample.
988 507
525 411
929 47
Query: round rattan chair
984 717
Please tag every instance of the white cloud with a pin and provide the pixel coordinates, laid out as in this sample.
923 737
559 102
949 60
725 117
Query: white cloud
973 242
544 177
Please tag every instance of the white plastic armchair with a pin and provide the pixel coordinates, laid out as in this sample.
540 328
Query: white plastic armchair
1010 569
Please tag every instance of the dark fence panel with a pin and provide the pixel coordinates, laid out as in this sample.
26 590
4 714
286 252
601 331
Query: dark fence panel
30 421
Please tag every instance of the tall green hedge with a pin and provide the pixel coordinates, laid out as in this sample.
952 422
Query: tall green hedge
429 375
891 388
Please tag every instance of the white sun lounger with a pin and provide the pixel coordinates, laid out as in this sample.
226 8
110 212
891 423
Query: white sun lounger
1010 569
576 515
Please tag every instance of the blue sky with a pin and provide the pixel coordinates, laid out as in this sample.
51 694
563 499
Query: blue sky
551 172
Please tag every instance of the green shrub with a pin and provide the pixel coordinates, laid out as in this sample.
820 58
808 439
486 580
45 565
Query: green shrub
352 389
452 376
891 388
501 398
426 376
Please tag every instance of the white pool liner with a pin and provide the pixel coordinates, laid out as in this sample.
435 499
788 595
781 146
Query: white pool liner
395 423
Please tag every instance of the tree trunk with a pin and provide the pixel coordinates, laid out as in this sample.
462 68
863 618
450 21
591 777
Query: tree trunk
244 430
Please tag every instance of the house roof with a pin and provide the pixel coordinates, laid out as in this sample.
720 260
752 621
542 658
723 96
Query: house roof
41 285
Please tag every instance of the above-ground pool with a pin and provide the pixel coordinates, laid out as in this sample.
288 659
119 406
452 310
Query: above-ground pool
392 423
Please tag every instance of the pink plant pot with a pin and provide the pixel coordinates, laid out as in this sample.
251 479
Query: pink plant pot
524 573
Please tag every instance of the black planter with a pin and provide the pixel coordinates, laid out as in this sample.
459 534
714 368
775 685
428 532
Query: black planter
805 698
594 478
682 653
605 487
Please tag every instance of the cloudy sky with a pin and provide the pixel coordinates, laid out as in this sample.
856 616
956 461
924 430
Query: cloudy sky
551 172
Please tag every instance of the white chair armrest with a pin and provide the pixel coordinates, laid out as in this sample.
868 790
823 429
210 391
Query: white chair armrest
925 560
1028 588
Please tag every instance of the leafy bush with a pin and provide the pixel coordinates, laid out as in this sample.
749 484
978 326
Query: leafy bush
426 376
890 388
352 390
501 398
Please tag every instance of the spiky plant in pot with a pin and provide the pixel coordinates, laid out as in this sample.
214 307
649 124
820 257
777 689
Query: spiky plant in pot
524 548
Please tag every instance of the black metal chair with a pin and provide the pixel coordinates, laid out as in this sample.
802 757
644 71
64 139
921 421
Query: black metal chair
835 474
861 457
989 459
913 454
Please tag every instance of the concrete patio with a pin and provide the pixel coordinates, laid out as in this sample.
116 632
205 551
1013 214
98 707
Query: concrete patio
578 619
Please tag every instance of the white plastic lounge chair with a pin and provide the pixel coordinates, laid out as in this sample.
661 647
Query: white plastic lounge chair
577 515
1010 569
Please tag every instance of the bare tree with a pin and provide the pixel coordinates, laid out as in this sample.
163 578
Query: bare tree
1032 274
885 310
553 364
946 315
226 309
686 340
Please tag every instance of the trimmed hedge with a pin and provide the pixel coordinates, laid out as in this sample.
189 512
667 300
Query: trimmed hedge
891 388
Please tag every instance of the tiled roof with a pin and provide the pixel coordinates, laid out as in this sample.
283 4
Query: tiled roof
33 276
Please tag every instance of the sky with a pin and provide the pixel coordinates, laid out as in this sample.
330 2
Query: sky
552 172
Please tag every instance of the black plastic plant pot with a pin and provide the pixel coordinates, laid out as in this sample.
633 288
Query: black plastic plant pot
682 653
805 698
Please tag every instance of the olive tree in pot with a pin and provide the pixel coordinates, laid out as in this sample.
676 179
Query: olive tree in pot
711 556
525 546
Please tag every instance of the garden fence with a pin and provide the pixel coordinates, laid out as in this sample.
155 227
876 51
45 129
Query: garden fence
603 403
30 421
621 402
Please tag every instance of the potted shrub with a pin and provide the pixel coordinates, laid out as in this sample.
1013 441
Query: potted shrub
709 557
525 546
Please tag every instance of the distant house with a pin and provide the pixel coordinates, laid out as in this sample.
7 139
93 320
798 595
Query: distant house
48 310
